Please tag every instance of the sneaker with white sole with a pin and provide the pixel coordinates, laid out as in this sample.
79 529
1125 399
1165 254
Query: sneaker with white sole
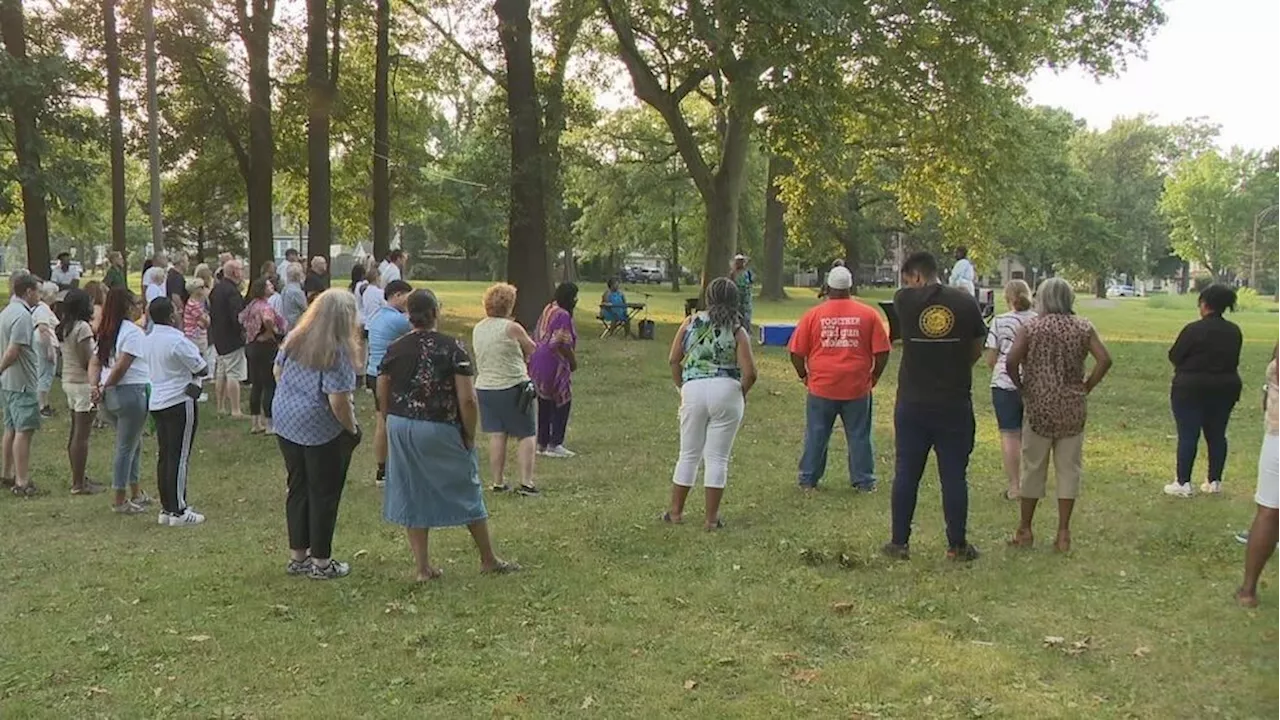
1178 490
1213 488
332 571
188 518
560 451
127 508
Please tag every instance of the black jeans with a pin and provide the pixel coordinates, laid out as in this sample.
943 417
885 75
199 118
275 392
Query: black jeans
948 431
1206 413
553 420
261 355
175 433
317 474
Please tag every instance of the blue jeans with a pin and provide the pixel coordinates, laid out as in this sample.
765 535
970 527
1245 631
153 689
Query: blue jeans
948 431
1204 413
126 409
819 419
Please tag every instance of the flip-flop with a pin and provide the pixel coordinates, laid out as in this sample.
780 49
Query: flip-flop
435 574
718 526
666 518
502 568
28 490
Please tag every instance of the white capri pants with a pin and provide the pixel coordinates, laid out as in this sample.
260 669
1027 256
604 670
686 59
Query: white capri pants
1268 494
710 414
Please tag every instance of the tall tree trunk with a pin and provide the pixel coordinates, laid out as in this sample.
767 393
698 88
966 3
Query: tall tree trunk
775 231
200 243
675 244
381 134
724 199
261 143
26 103
153 129
527 263
319 200
119 204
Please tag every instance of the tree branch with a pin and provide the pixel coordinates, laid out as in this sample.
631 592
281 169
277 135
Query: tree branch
337 47
649 90
224 122
449 37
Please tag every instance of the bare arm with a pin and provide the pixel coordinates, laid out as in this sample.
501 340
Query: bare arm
468 407
516 332
344 410
991 355
383 392
569 354
801 367
882 362
123 362
1013 361
676 356
1101 361
10 357
746 361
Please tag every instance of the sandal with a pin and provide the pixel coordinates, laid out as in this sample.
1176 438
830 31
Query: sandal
502 568
666 518
89 488
1021 540
718 526
501 488
28 490
434 574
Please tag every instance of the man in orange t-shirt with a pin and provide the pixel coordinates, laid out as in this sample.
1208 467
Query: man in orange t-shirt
839 350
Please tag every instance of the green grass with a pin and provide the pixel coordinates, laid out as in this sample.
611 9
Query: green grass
618 615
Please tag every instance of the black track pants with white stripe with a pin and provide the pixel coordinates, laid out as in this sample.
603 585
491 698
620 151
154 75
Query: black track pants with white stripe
175 432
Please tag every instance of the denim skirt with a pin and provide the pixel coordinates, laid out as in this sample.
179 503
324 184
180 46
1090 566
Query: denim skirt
433 480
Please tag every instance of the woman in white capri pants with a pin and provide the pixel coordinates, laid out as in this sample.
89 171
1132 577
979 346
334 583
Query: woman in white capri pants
1266 522
712 365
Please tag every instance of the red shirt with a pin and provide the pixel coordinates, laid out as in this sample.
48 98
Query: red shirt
839 339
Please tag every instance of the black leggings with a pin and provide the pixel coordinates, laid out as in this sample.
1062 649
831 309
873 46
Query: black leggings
317 474
175 432
261 355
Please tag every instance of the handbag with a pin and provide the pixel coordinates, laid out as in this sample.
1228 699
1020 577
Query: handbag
527 395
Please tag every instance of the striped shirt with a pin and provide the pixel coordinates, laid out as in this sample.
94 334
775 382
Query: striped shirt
1000 338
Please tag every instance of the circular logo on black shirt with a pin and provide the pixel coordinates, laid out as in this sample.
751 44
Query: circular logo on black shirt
936 321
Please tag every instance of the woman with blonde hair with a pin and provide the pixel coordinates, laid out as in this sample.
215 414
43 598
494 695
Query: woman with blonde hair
502 349
1005 398
46 344
315 422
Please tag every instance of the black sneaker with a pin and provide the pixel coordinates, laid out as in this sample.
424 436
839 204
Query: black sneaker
47 411
968 553
501 488
331 571
897 552
528 491
298 567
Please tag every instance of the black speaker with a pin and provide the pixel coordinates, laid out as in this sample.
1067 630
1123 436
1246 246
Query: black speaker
648 329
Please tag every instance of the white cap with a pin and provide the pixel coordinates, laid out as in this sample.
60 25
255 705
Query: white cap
739 256
839 278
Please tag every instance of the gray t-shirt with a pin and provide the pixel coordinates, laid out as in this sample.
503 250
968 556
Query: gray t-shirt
293 301
17 328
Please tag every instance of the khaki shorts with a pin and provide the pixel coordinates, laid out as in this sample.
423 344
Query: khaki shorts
79 397
1068 460
232 366
21 410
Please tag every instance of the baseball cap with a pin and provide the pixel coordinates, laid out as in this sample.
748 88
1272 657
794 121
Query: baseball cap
839 278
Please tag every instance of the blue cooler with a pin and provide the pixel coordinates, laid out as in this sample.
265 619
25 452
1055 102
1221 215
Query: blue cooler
776 335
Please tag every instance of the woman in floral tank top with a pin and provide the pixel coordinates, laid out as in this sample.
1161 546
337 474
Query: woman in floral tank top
1046 362
711 363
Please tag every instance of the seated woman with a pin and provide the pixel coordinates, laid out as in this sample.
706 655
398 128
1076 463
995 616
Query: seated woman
613 306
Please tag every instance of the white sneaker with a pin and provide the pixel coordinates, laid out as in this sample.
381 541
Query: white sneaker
1213 488
186 519
1178 490
204 397
560 451
164 518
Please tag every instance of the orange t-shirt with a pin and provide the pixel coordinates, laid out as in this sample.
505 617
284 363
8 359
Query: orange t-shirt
840 339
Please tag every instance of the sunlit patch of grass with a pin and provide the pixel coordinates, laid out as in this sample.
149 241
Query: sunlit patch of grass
619 615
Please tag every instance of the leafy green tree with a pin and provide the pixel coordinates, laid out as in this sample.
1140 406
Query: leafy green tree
1209 210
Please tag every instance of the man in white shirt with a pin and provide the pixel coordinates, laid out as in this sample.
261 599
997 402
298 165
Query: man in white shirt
963 275
393 267
174 366
64 274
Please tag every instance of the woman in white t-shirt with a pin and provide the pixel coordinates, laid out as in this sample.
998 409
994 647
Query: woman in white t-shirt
1005 398
372 298
46 341
118 377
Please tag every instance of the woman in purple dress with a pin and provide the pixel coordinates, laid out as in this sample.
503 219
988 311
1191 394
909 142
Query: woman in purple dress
551 368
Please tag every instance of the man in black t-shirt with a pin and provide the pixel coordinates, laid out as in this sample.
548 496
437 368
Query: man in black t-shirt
317 278
226 334
942 337
175 283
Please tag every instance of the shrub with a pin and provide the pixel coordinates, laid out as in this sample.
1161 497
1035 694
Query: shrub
1248 299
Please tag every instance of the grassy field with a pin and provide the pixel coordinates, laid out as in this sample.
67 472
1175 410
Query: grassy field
618 615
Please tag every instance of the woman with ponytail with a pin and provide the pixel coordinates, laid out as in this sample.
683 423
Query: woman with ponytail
712 365
118 379
427 396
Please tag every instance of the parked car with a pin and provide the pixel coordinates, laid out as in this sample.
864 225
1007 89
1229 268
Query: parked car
651 275
1117 291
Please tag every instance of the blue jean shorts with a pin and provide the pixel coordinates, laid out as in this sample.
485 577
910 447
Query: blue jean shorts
1008 406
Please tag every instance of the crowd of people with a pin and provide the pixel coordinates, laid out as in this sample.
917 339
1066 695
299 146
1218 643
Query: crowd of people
305 349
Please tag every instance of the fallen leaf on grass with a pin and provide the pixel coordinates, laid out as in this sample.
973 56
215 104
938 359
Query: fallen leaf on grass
726 661
842 608
95 690
789 657
587 702
199 638
1053 641
805 676
359 554
691 684
1080 646
1141 652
